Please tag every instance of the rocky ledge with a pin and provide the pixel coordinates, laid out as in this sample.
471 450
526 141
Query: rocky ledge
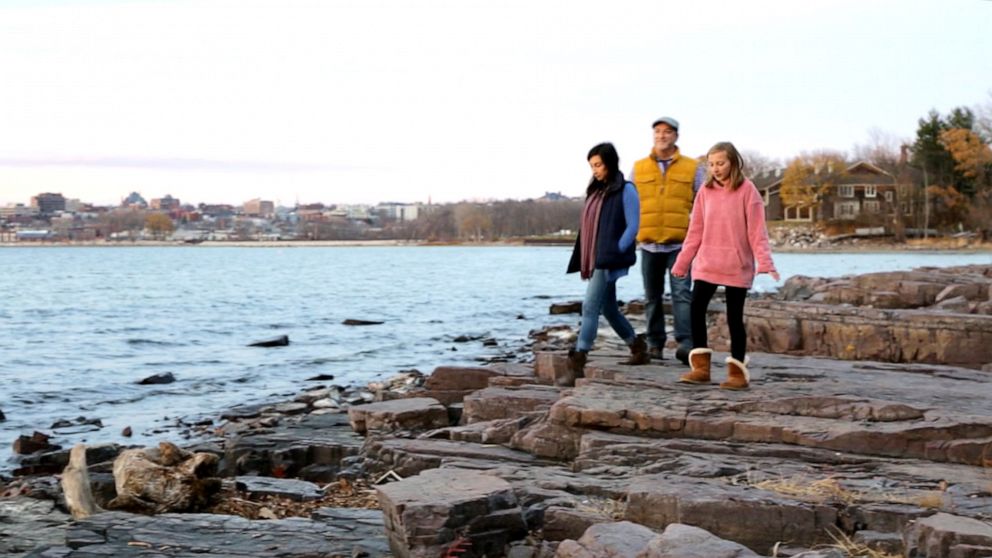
820 458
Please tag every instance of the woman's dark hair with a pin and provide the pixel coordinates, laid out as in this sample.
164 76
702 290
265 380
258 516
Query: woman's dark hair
608 154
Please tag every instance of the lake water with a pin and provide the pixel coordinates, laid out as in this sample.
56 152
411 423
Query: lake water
79 326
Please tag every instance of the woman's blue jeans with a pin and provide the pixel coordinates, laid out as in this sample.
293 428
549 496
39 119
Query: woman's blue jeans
601 298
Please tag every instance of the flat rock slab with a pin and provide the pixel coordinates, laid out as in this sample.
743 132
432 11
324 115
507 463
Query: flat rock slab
292 489
415 413
869 334
930 412
660 500
460 378
296 447
27 523
409 457
427 514
332 532
507 402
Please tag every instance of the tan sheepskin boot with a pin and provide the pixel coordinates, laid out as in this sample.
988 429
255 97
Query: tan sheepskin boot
738 376
699 360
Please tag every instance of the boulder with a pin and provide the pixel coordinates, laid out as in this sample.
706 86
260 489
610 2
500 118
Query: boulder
622 539
166 479
561 523
281 341
418 413
944 535
427 515
38 441
571 307
158 379
685 541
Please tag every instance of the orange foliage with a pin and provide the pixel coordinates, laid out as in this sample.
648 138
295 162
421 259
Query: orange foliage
972 156
810 176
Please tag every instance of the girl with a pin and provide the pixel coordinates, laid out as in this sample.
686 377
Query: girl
726 236
604 251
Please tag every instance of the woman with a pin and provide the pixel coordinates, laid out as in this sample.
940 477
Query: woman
726 235
604 251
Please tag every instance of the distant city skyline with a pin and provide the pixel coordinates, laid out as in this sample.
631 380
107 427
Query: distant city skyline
223 101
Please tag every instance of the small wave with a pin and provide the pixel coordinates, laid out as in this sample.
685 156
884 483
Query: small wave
139 341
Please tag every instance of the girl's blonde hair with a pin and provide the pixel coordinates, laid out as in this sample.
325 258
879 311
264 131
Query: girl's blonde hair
736 165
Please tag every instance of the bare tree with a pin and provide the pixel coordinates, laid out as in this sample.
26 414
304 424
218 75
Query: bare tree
756 164
882 150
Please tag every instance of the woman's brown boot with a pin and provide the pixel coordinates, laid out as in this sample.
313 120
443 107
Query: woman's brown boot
737 375
699 360
576 368
638 352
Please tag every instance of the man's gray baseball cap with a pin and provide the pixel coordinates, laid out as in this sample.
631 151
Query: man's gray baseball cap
667 120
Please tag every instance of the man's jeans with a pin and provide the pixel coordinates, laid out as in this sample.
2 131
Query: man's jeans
654 266
601 297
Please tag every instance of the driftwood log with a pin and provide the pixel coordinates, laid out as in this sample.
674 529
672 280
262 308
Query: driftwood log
76 485
166 479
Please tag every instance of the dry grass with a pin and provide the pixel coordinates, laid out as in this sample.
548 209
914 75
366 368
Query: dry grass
614 509
341 494
845 544
830 490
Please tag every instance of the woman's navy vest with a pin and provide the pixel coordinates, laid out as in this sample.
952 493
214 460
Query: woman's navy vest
612 223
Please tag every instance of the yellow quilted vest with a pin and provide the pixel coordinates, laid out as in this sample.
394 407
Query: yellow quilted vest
666 199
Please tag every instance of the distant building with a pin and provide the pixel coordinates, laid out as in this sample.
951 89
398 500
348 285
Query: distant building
35 235
259 208
399 211
552 196
134 199
48 203
168 203
12 211
216 210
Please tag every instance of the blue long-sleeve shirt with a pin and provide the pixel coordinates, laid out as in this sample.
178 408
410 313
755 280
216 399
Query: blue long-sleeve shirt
632 214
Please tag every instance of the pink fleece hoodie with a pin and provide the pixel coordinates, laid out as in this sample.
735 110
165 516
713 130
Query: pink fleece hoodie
726 235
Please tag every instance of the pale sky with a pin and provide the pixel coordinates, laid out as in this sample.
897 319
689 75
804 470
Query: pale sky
221 101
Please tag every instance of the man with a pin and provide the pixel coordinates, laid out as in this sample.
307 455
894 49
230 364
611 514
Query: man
667 183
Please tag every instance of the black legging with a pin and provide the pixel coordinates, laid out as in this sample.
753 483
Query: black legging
702 292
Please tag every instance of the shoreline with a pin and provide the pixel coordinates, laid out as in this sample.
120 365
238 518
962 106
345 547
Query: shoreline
948 245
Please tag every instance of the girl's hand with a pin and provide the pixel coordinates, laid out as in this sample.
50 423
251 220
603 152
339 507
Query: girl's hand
774 275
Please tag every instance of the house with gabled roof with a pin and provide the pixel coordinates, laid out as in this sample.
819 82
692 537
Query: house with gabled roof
863 192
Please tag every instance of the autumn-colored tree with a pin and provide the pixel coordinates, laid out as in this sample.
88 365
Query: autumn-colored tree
809 177
159 225
950 207
972 156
